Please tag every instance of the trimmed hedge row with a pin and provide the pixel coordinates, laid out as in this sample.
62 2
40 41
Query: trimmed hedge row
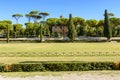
78 66
60 66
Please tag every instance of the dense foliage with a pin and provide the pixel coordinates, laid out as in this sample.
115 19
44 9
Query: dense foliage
107 28
59 66
71 29
60 27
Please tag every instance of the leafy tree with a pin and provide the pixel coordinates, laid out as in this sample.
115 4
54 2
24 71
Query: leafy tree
100 27
92 27
118 30
99 31
32 29
79 30
86 30
29 31
44 14
92 22
6 21
34 12
17 28
114 22
110 14
6 25
78 21
114 31
17 16
100 23
79 25
107 28
71 29
40 32
91 31
35 29
29 16
46 30
35 15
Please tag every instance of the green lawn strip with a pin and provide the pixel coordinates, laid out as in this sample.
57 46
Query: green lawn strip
60 47
11 60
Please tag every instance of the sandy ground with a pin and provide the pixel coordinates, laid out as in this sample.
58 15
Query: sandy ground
84 76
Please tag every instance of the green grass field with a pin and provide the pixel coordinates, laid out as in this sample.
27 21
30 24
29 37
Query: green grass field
11 60
20 52
60 47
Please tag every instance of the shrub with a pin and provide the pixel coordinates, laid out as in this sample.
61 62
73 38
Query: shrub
16 68
1 68
102 66
7 68
78 66
56 66
32 67
27 67
116 65
60 66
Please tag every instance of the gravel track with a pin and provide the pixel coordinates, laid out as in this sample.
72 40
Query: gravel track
86 76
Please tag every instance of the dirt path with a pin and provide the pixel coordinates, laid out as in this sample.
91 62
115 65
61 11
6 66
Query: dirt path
83 76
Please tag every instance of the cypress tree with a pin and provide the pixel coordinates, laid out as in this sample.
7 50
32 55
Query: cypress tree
40 32
71 29
7 34
107 28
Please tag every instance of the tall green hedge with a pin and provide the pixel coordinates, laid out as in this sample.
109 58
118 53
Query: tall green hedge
1 68
107 28
71 29
60 66
27 67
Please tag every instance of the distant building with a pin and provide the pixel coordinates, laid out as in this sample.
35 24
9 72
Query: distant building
62 30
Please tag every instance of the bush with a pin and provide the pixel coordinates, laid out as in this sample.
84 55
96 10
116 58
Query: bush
102 66
116 65
1 68
27 67
56 66
78 66
16 68
60 66
32 67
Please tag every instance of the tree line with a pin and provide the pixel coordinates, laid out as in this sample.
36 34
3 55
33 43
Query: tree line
77 26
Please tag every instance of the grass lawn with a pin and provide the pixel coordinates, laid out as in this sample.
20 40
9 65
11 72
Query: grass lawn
60 47
20 52
11 60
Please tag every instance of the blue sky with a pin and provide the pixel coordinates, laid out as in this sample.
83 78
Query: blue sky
88 9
